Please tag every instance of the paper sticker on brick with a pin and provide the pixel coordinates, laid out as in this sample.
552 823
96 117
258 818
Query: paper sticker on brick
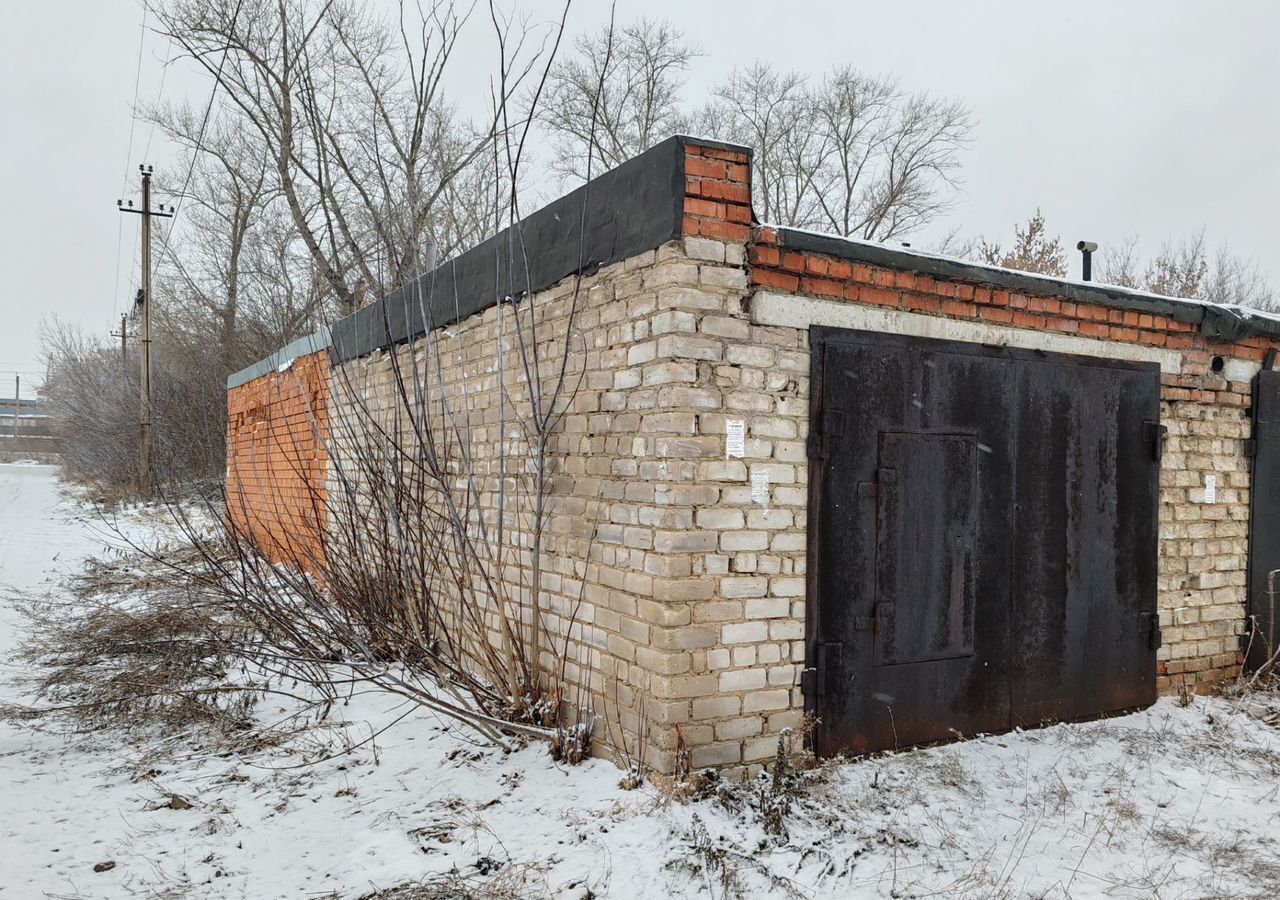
760 487
1211 489
735 439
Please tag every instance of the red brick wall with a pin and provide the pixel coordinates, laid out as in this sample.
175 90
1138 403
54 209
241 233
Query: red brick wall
717 201
277 462
794 272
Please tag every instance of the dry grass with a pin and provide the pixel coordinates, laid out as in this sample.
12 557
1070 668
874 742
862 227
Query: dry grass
131 648
511 882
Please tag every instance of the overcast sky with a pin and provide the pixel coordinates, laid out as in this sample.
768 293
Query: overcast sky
1153 117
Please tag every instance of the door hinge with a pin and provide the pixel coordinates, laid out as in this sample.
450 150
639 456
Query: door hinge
808 681
1251 631
1154 433
830 424
1251 447
1151 627
828 655
864 623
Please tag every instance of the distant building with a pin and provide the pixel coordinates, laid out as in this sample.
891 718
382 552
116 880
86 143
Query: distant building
26 426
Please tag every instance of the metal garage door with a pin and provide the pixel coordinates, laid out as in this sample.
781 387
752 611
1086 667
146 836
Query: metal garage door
1262 641
982 538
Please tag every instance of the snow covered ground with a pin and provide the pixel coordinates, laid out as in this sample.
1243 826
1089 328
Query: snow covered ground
1171 802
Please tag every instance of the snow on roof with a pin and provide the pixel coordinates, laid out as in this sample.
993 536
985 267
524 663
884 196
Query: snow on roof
1255 318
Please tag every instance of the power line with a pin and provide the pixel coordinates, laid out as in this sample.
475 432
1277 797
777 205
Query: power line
164 73
146 151
204 122
128 155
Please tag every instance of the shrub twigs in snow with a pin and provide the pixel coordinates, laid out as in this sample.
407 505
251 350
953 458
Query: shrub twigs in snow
431 582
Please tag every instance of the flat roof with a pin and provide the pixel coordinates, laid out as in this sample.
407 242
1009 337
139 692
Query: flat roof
1227 322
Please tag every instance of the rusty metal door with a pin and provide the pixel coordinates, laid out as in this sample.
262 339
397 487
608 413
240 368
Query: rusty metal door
1084 567
911 518
1263 637
962 498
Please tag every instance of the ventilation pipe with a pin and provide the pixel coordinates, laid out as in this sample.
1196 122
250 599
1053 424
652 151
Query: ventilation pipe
1086 249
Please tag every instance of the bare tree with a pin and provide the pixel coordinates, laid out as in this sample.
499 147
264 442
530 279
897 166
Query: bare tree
768 111
1238 280
332 168
955 243
362 143
618 97
282 294
853 154
1179 269
1033 250
1121 263
227 190
1189 268
887 157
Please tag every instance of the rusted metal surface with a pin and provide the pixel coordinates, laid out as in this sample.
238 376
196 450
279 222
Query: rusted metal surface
1263 640
982 538
1084 567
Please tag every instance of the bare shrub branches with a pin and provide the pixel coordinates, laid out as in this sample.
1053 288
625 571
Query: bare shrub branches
131 648
433 579
93 395
436 578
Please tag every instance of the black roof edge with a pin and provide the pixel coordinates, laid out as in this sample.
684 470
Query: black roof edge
636 206
1216 321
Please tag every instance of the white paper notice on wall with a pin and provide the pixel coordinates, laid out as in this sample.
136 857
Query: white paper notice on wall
760 487
1211 489
735 439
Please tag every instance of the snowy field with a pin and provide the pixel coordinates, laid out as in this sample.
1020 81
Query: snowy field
1172 802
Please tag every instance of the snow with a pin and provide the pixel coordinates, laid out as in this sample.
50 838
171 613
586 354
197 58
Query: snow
1174 801
1244 312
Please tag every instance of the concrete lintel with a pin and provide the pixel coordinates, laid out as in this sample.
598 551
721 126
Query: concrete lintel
1240 369
787 310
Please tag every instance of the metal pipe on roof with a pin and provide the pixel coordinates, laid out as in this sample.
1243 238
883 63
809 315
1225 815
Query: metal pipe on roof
1086 249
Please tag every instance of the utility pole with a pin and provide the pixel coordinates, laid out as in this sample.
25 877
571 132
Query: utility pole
144 399
123 334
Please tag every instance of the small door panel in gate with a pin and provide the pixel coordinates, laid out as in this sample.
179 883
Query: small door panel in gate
928 506
920 668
